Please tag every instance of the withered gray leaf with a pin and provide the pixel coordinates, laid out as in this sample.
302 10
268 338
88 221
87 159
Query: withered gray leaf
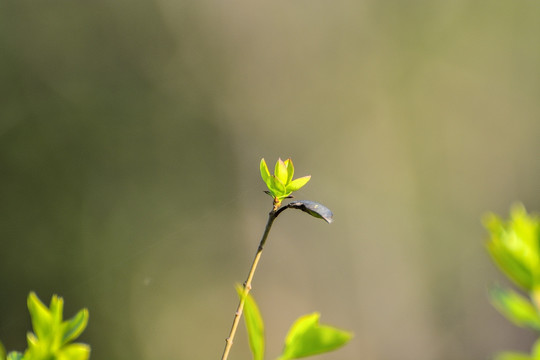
314 209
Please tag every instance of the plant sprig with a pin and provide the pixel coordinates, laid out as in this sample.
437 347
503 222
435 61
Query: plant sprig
514 246
306 337
281 184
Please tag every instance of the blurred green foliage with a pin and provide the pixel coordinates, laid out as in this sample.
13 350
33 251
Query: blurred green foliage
52 337
116 116
514 246
306 337
100 161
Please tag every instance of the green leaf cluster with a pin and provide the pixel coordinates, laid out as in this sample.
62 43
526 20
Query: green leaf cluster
306 337
514 245
52 337
281 184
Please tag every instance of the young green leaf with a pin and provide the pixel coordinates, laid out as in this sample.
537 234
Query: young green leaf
307 337
510 265
290 170
265 173
41 316
254 324
75 326
281 171
297 184
56 308
515 307
2 351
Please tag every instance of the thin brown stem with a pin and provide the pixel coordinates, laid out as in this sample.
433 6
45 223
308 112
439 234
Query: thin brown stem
247 285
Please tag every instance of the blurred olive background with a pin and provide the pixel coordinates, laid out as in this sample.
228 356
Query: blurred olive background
130 139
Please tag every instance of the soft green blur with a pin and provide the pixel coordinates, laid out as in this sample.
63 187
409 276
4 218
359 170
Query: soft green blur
130 141
52 337
514 247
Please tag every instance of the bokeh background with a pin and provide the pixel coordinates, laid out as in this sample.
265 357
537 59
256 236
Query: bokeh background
130 139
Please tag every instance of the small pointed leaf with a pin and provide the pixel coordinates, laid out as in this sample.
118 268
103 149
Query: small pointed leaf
296 184
56 309
307 337
515 307
265 173
314 209
290 170
75 326
281 171
254 324
41 316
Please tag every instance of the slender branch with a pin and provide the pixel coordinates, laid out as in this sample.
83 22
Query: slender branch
247 285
